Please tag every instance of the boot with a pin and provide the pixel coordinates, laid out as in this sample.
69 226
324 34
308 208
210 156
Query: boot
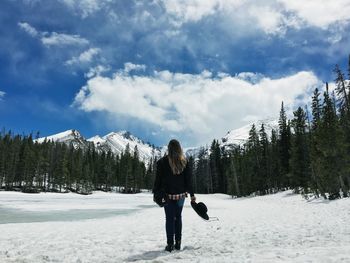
169 247
178 244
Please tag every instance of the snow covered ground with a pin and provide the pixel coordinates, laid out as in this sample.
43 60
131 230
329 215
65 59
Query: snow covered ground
109 227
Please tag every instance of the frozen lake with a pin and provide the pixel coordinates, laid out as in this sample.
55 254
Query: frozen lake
28 208
10 215
110 227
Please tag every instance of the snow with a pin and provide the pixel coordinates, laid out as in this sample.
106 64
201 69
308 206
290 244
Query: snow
62 136
276 228
68 137
241 135
236 136
114 141
118 141
96 140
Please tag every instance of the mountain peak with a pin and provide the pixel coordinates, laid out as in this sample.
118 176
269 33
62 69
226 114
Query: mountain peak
126 134
68 137
237 136
123 133
72 133
118 141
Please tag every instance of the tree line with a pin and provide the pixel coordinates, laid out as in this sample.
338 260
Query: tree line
309 153
29 166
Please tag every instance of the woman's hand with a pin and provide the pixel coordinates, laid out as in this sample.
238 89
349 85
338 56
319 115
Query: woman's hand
193 199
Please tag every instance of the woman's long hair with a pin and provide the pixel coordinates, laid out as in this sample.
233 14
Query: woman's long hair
176 157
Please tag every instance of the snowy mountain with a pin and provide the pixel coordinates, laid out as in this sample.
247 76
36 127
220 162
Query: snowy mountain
114 141
69 137
237 136
240 136
118 141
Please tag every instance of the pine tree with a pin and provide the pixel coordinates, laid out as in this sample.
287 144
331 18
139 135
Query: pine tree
42 164
203 175
343 97
12 161
109 162
136 170
101 171
78 165
329 146
253 151
29 163
214 160
315 142
275 162
191 167
341 89
316 109
116 168
284 147
232 177
299 160
264 182
126 169
62 168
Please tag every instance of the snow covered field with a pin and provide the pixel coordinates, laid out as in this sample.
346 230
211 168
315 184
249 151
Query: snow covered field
109 227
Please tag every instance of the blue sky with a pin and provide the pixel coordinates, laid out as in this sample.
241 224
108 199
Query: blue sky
186 69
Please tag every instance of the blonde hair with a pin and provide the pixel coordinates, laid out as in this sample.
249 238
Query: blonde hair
176 157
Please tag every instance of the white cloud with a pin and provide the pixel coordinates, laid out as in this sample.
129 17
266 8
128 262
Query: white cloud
84 57
96 71
272 16
201 104
319 13
250 77
266 16
85 7
53 38
136 67
268 19
28 28
193 10
59 39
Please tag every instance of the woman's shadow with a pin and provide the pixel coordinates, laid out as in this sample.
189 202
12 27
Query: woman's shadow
150 255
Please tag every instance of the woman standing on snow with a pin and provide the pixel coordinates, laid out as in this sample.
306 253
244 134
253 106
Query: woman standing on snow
175 178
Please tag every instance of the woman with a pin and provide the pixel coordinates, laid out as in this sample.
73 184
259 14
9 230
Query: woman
175 178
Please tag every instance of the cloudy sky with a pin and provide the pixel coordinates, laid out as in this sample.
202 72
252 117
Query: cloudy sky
189 69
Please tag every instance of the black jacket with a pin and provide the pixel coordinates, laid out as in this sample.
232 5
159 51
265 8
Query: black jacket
171 183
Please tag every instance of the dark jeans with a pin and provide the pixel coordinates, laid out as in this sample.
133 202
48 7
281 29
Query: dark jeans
173 221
